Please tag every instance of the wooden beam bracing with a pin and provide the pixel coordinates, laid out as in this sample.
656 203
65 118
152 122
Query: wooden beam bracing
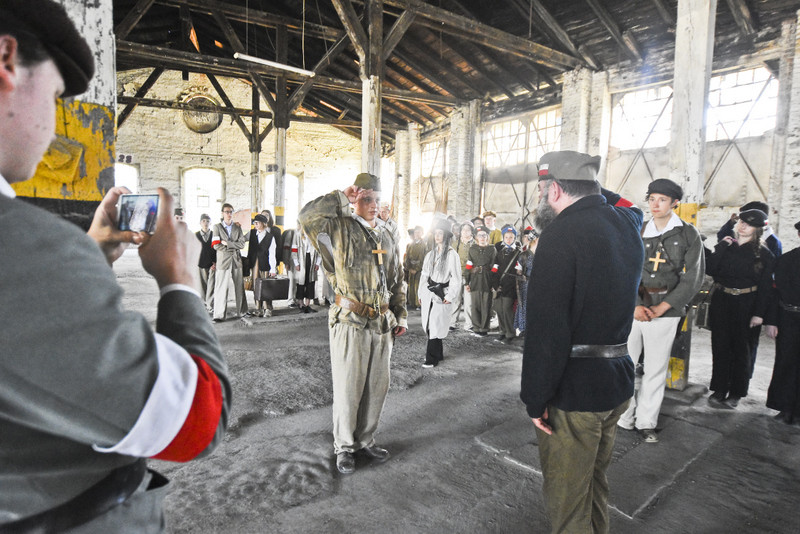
132 18
229 105
665 14
742 16
300 93
353 27
399 28
611 26
140 93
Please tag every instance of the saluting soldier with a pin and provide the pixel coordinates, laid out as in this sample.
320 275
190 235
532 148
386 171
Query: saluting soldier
672 275
361 258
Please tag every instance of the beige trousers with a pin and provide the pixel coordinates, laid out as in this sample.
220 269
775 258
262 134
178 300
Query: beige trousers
207 280
360 369
222 281
574 463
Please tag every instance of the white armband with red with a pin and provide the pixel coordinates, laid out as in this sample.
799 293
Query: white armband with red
469 265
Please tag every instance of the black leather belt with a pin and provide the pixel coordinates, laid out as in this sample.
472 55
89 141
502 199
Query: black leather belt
111 491
599 351
736 291
790 307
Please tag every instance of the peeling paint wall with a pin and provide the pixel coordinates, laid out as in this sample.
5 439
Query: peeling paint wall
161 145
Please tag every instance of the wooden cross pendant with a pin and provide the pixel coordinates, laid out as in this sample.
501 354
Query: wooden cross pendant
380 252
656 260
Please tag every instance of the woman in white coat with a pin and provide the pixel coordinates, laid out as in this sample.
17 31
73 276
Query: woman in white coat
439 288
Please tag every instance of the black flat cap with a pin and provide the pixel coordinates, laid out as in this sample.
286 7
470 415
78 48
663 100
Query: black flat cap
797 226
568 165
662 186
48 22
755 218
261 218
755 205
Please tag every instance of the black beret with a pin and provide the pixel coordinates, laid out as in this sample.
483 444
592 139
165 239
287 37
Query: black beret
366 180
797 226
662 186
755 205
482 228
755 218
261 218
568 165
48 22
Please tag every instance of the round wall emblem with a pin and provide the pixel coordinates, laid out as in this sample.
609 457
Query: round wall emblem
203 117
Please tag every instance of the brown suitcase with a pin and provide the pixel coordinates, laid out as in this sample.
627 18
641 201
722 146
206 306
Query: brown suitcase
271 288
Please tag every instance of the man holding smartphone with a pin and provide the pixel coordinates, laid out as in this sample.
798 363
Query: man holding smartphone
87 395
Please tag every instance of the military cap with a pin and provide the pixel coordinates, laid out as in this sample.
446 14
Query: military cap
49 23
205 217
261 218
488 213
530 232
662 186
366 180
568 165
481 228
755 218
797 226
179 211
508 228
755 205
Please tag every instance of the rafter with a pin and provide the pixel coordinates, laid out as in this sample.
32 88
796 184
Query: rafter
665 14
613 29
300 93
353 27
140 93
399 28
229 105
134 16
742 16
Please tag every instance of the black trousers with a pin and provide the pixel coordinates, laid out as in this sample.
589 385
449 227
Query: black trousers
784 389
731 342
435 352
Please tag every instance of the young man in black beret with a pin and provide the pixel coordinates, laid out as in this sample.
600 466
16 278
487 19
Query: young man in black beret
673 272
90 393
577 376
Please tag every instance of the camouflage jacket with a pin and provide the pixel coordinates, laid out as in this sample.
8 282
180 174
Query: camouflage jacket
350 264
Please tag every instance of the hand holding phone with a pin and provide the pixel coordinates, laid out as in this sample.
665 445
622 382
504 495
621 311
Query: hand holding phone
104 229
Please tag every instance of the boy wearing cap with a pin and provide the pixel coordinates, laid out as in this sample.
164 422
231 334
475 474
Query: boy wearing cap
228 240
577 376
505 283
361 258
88 395
479 268
207 262
672 275
495 235
415 255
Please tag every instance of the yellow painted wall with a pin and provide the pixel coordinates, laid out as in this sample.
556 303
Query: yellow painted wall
79 164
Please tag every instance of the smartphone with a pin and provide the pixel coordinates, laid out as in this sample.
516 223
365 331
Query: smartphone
137 213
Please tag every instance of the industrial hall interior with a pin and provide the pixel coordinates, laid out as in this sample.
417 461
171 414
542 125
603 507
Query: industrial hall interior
249 110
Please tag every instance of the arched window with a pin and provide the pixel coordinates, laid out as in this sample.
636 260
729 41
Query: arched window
202 193
127 176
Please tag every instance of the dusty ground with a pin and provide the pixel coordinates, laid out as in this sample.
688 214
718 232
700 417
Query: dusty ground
464 453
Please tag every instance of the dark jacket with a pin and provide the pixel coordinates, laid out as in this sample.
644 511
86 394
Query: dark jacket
260 251
505 279
772 242
735 267
582 290
208 255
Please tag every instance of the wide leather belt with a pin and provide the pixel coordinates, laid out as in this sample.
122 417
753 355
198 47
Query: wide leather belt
737 291
478 269
657 290
112 491
359 308
599 351
790 307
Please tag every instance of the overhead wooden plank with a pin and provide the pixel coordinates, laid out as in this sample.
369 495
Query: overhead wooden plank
742 16
665 14
374 65
241 13
448 68
237 45
448 22
399 28
611 26
633 44
140 93
155 56
229 105
300 93
132 18
347 14
281 56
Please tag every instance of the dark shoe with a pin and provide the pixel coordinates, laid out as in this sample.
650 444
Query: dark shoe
452 328
316 302
311 310
648 435
345 462
218 320
733 402
376 453
247 314
716 397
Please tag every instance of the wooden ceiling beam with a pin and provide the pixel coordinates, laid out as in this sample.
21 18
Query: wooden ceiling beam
140 93
613 29
448 68
347 14
665 14
743 17
132 18
300 93
397 31
229 105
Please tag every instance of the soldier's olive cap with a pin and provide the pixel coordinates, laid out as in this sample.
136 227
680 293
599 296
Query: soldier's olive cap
755 218
366 180
797 226
205 217
662 186
568 165
49 23
755 205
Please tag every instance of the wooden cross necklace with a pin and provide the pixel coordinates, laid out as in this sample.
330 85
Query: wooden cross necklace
656 261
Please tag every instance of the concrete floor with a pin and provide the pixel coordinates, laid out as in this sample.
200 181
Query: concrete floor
464 452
